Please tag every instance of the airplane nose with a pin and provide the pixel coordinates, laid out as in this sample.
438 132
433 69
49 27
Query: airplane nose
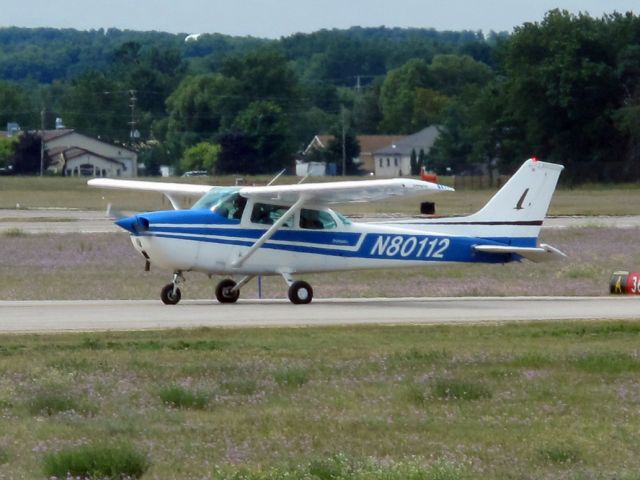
136 224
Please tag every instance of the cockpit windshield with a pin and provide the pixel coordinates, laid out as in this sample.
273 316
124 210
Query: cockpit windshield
226 202
214 197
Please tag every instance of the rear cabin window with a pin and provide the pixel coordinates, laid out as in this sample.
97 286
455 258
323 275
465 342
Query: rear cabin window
266 214
316 220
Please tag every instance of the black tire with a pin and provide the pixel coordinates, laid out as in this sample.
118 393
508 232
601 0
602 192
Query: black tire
300 293
167 295
223 293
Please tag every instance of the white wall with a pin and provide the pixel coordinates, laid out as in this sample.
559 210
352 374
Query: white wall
392 165
74 139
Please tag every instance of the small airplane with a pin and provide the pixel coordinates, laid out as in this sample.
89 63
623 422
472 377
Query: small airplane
290 230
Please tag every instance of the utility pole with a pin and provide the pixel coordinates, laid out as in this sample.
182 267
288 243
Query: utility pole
344 146
133 134
42 142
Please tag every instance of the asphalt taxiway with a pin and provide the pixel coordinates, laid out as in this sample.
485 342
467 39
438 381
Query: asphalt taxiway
85 316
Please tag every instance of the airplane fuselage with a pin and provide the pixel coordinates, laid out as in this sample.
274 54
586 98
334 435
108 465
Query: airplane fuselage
201 240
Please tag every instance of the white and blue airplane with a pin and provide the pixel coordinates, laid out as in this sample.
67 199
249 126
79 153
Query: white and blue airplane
290 230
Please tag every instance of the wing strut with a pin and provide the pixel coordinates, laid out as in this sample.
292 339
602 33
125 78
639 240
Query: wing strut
174 201
269 233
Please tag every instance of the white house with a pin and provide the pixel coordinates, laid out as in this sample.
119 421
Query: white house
76 154
394 160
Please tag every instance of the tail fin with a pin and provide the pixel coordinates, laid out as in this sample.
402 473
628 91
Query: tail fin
525 198
518 209
510 222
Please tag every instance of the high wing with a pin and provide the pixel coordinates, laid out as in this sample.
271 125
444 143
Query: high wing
176 188
343 192
170 190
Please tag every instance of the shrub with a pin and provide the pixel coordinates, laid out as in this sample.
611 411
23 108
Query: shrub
291 377
4 456
451 389
15 232
52 400
179 397
559 454
97 461
416 394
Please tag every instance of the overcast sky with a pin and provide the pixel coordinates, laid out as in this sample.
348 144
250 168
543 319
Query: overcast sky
276 18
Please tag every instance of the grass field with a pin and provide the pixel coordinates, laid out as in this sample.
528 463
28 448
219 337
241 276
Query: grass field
546 400
34 192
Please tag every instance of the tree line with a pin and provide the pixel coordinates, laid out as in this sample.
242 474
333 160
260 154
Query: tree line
565 89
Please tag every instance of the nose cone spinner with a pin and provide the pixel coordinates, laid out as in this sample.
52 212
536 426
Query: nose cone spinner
135 224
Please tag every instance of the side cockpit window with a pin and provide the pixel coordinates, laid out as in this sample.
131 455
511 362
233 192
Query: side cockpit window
266 214
316 220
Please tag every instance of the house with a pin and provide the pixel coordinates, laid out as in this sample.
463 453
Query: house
74 154
394 160
368 145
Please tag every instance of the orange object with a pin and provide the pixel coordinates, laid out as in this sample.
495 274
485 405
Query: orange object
428 176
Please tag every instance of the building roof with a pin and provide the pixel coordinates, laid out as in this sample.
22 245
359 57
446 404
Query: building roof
75 152
49 135
424 139
368 143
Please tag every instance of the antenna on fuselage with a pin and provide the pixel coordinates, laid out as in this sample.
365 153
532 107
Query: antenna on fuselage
277 176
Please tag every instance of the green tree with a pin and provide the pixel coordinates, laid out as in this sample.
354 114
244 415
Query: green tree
333 152
202 156
397 96
563 86
413 162
15 106
260 132
7 149
96 105
26 157
452 74
199 107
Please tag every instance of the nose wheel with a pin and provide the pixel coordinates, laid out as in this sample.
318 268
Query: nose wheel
170 293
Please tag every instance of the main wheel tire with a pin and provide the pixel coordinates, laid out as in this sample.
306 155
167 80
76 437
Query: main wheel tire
224 293
300 292
168 296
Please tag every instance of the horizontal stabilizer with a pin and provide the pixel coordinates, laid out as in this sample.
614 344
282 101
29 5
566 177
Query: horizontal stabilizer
543 253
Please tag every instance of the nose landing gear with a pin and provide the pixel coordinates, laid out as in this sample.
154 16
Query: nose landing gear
170 293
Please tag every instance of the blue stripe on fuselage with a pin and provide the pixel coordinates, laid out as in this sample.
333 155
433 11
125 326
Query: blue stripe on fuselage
304 236
428 248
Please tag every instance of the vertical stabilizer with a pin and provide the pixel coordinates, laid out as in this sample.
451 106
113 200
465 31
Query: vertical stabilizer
514 214
525 197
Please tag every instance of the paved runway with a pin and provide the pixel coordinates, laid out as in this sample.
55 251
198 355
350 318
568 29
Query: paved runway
61 316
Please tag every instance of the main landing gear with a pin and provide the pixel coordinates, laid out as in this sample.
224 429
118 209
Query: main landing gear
228 291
